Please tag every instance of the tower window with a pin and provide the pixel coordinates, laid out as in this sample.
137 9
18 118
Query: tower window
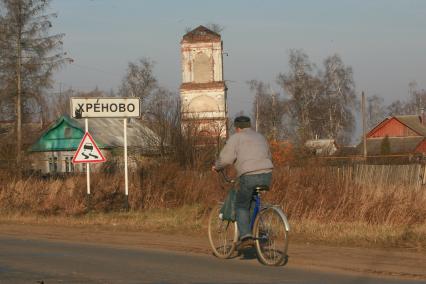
203 68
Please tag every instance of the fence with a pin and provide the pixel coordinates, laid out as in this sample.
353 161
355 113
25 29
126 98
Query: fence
411 176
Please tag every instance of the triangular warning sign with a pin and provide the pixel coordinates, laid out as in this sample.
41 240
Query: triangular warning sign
88 151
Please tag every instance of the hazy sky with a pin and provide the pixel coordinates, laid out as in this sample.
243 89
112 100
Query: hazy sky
384 41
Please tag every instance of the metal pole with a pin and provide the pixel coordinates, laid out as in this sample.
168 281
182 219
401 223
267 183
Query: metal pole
364 137
126 178
86 122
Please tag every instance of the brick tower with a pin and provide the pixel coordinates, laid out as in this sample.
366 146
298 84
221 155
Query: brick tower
203 90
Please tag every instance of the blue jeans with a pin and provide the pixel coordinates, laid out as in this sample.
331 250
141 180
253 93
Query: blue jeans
244 198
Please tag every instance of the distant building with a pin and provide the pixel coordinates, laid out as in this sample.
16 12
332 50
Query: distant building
347 151
55 147
203 90
402 134
322 147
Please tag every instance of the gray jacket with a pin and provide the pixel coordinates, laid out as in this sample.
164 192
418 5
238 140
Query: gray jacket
248 150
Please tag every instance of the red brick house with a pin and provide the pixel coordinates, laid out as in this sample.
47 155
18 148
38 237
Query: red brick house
405 134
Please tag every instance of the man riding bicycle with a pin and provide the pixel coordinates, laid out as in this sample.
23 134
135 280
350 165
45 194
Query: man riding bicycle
249 152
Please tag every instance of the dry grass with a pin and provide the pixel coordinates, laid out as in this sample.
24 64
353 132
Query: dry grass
323 207
360 234
187 219
192 221
319 194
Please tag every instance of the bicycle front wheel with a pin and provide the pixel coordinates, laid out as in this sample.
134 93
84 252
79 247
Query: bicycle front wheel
222 234
271 237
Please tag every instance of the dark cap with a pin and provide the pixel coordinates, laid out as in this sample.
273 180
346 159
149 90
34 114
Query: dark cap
242 122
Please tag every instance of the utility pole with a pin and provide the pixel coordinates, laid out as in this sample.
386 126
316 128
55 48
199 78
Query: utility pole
364 137
274 116
19 89
257 112
330 133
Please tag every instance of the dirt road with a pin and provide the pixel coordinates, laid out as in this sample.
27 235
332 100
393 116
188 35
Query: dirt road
386 263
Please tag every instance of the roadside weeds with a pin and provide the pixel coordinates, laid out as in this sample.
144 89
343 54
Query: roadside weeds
192 220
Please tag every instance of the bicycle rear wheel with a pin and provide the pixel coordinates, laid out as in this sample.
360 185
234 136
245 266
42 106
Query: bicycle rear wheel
271 237
222 234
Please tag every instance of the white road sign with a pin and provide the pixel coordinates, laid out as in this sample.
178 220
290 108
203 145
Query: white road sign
88 151
105 107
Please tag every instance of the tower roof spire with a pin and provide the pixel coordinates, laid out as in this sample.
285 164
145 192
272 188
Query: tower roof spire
201 34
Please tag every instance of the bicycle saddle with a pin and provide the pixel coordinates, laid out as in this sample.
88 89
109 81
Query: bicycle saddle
262 188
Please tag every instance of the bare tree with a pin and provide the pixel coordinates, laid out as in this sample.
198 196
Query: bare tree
321 103
396 108
415 102
262 105
268 110
139 80
61 101
304 90
376 111
29 55
339 89
417 99
162 117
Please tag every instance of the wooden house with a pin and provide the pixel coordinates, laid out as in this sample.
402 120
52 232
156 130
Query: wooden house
397 135
322 147
55 148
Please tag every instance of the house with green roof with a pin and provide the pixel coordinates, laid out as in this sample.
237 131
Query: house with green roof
56 146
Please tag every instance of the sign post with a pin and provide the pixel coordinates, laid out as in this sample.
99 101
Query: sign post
107 107
86 127
126 174
88 152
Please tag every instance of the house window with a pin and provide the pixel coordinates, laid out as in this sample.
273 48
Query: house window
69 166
67 132
53 164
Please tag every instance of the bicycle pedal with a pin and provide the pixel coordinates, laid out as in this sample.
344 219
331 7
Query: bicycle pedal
245 244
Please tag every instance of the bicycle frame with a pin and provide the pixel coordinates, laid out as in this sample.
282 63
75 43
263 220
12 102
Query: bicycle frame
257 206
256 210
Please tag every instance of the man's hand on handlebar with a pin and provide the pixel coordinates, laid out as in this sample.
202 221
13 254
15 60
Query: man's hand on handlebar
222 173
214 169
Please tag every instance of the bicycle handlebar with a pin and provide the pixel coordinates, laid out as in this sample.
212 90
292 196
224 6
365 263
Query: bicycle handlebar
225 177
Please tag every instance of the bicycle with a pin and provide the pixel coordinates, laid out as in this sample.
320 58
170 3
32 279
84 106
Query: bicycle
270 229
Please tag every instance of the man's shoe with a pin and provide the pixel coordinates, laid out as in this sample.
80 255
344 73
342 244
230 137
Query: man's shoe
246 243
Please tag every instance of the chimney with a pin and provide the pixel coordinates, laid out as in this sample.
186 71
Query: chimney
422 115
